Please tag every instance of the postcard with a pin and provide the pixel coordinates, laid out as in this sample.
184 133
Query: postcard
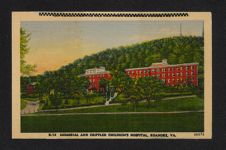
111 75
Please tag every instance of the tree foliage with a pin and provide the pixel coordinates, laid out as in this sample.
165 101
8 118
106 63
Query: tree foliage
185 49
25 69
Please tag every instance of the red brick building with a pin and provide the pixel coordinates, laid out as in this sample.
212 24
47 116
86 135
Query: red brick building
94 75
30 88
170 74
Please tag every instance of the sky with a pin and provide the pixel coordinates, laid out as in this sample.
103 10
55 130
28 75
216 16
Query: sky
54 44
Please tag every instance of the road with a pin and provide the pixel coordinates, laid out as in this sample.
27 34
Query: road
114 113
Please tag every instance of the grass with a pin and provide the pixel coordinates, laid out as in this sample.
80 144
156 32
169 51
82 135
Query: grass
183 104
23 104
189 122
94 100
30 99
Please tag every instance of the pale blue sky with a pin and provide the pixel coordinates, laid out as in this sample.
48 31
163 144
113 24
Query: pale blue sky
57 43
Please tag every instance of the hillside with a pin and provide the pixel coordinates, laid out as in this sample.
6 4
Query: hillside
184 49
176 49
69 86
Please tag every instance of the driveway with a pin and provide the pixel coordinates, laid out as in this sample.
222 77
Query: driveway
31 107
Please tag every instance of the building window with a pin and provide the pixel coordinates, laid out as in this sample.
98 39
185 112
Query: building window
163 75
173 75
191 67
177 74
168 74
163 70
163 80
192 73
157 70
186 73
168 69
152 70
158 75
187 67
181 68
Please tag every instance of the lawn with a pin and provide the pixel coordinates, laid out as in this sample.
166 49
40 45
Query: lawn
188 122
183 104
83 101
30 99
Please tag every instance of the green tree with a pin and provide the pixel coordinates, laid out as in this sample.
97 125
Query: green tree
120 81
55 101
132 93
103 83
149 88
25 69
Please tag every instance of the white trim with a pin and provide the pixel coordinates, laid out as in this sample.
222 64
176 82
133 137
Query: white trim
96 73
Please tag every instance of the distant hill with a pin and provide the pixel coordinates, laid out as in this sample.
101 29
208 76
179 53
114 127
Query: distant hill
183 49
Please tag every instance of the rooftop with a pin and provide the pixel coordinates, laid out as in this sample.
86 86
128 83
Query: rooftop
162 65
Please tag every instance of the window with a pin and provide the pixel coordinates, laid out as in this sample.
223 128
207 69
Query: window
168 69
164 80
181 68
158 75
177 74
191 67
186 73
144 71
168 74
153 70
163 70
163 75
173 75
157 70
192 73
